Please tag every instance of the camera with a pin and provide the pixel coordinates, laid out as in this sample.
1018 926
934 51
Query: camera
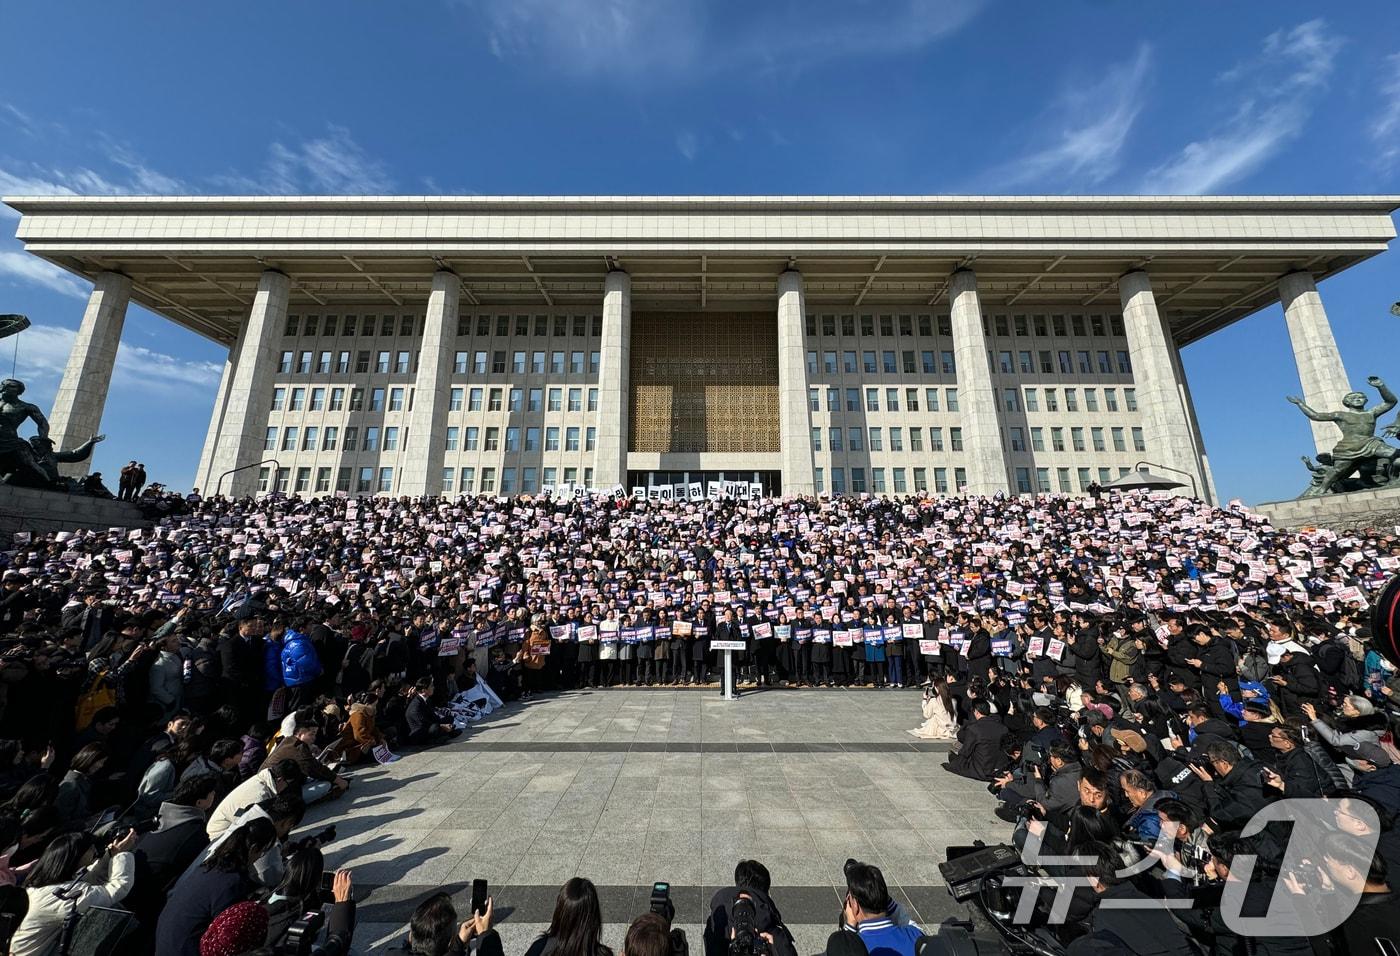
1028 811
743 922
660 902
300 939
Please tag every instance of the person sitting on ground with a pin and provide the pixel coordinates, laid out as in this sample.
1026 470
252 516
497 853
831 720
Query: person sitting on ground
751 882
424 726
866 911
980 753
576 927
433 930
321 781
67 880
263 785
224 879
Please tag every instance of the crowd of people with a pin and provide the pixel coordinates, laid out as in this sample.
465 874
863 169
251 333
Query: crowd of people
1114 668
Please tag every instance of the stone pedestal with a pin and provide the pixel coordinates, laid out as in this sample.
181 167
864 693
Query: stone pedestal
43 512
1356 510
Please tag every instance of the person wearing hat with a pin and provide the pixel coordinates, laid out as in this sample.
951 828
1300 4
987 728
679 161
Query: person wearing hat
1376 775
1356 723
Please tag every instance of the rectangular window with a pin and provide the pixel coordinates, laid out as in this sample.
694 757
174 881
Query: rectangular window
857 480
337 399
1057 439
872 399
1071 400
887 362
323 367
332 435
1110 399
361 363
516 400
376 400
592 399
1023 481
1125 365
931 399
867 361
575 399
1119 443
940 480
1062 476
285 365
896 439
473 437
590 438
1138 443
891 399
817 480
952 403
303 480
814 399
402 363
479 363
342 480
323 480
517 363
1084 366
289 438
459 363
877 480
838 481
298 399
493 439
342 363
1018 438
935 439
495 399
455 399
454 435
906 360
1010 397
386 480
1130 399
391 438
916 439
1052 400
1037 439
921 480
352 437
848 362
926 362
955 442
911 399
900 486
1032 400
1042 481
365 481
270 440
1076 438
395 399
468 481
488 481
1004 362
551 438
960 479
816 439
512 438
877 442
835 439
381 363
529 480
1091 399
474 399
571 438
1024 361
279 399
946 360
310 437
555 399
855 439
532 439
556 363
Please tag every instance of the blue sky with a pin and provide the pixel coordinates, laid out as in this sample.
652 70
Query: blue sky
684 96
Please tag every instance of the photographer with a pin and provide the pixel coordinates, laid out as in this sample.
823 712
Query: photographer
302 891
751 883
1234 786
433 930
65 883
1059 792
225 878
866 909
1125 919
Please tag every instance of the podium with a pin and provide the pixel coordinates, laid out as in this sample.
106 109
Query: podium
729 647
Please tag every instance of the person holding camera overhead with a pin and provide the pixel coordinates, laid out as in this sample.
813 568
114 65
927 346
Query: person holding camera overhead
68 880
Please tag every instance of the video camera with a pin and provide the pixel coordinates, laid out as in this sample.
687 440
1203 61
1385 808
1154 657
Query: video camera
300 939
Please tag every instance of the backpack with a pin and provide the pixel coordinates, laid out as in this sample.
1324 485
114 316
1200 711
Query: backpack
98 694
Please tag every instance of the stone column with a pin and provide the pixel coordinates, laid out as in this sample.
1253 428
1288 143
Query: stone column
77 408
1166 427
250 390
614 394
425 449
794 419
1208 493
1315 350
983 454
203 477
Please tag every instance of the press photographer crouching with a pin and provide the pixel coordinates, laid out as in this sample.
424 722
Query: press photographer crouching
744 919
433 930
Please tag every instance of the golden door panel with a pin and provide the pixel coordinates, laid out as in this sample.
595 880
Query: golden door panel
704 383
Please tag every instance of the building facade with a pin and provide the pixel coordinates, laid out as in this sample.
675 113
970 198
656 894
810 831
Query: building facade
413 346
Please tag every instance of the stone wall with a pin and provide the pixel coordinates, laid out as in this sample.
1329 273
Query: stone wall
1359 509
42 512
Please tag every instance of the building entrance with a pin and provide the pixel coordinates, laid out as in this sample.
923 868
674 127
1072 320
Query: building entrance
771 481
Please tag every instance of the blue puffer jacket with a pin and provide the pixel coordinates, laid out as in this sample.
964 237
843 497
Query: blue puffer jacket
272 665
300 665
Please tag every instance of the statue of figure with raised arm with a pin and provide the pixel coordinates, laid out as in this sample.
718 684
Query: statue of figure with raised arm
1359 450
18 465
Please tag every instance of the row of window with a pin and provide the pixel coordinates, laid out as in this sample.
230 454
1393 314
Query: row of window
330 325
899 483
496 399
368 480
386 362
1011 398
912 362
873 438
1021 325
333 438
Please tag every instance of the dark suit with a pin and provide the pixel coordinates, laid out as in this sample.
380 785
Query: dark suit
980 753
421 720
730 631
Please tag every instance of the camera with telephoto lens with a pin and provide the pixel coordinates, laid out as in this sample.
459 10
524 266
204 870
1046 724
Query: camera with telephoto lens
743 920
300 939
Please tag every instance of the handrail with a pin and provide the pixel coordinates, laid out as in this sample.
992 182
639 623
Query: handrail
219 485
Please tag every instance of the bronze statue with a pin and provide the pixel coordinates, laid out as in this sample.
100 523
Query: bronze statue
1359 452
18 465
48 460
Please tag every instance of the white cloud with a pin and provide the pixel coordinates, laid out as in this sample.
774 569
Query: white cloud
333 164
1093 122
679 37
1277 93
687 144
31 270
43 354
1385 129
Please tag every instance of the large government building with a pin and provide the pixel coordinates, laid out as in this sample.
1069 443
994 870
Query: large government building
882 344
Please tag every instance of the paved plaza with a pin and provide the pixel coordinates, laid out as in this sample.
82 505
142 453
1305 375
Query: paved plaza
630 786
